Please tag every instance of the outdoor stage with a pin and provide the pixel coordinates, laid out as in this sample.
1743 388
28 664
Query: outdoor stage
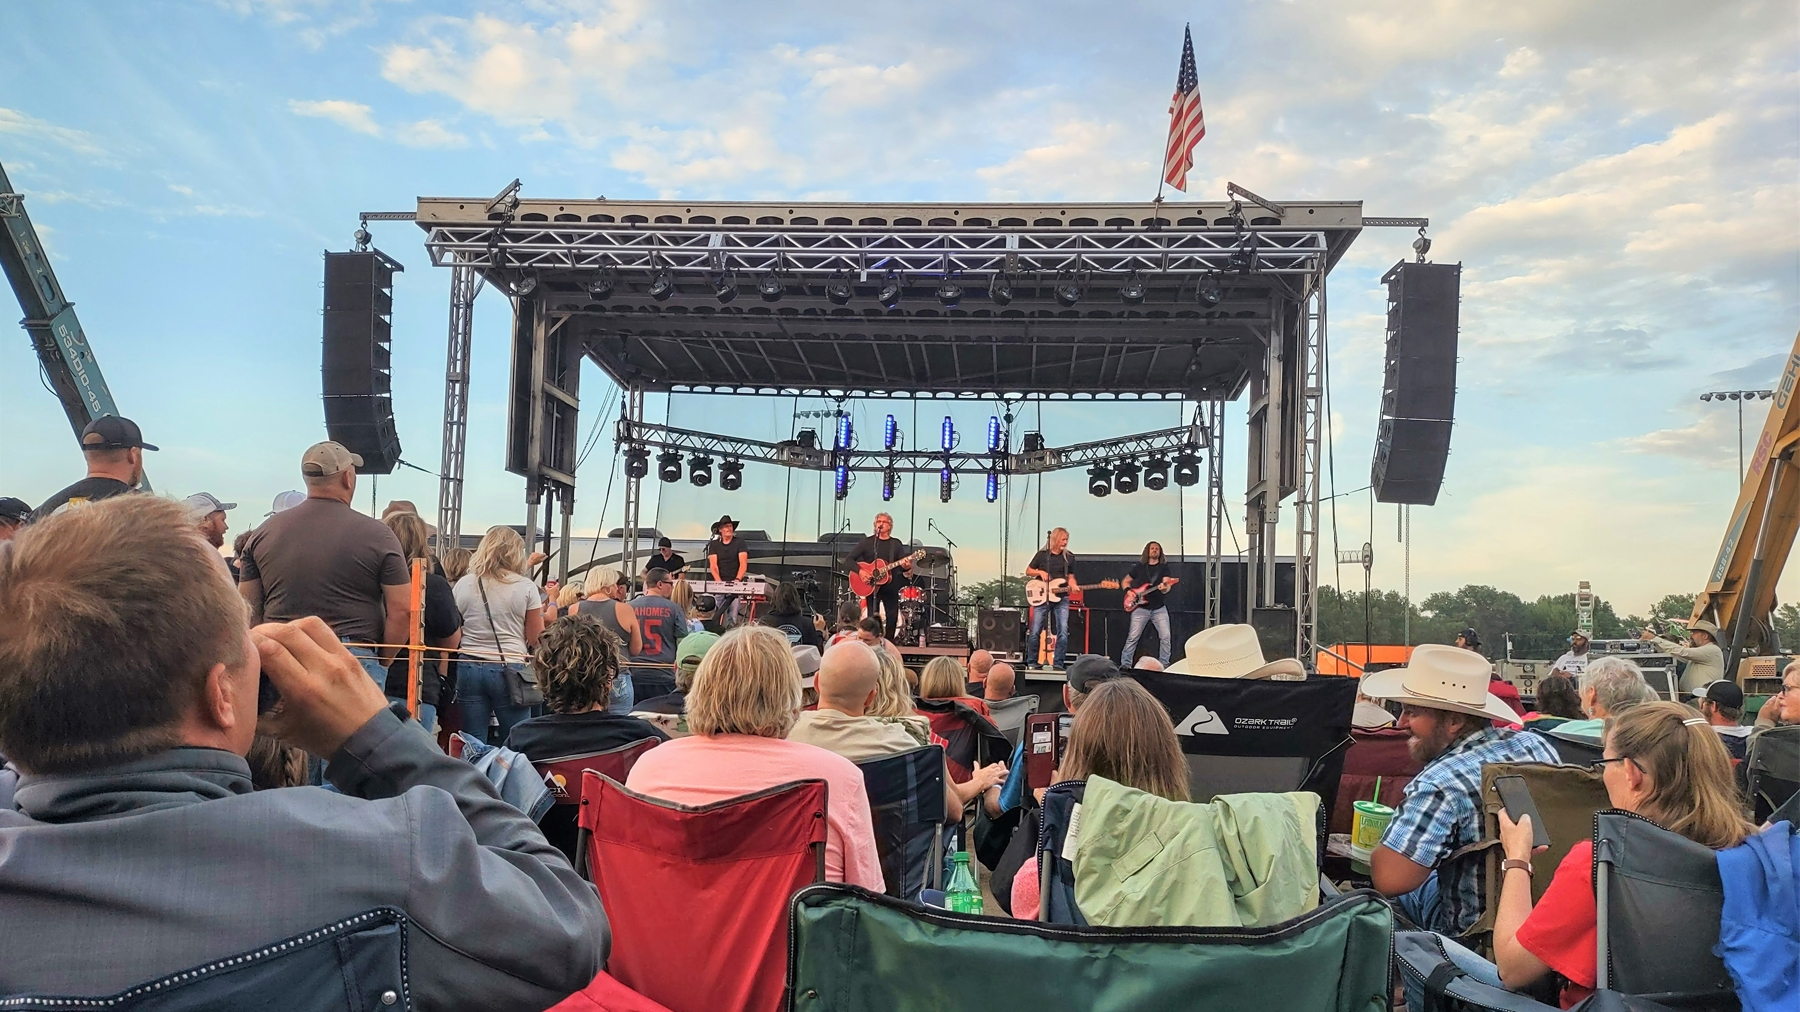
1198 302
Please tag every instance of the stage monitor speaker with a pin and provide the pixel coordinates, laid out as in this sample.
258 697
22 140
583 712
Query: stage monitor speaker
1418 395
356 369
999 630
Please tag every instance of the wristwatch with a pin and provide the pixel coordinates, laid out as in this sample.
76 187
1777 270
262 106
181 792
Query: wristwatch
1525 866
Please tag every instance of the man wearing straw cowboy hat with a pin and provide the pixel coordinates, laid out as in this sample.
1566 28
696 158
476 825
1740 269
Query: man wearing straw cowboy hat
1705 659
1450 714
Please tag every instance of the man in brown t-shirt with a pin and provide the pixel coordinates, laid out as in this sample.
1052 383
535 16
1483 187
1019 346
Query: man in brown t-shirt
324 558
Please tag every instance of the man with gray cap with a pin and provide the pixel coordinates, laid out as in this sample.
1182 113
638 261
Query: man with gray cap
209 515
114 448
1705 660
321 557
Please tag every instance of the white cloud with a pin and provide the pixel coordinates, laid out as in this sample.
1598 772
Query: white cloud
429 133
80 142
351 115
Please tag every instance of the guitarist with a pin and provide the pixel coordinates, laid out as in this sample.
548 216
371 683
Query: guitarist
1148 581
1053 562
882 546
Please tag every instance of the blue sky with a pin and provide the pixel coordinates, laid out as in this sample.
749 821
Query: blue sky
1619 180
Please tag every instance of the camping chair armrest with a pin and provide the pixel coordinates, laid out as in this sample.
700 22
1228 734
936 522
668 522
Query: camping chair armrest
1421 955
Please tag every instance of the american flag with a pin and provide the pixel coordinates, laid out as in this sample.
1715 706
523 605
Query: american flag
1186 122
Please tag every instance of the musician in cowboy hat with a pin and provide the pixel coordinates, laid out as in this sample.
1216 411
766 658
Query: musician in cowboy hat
1705 659
1446 707
1233 651
728 560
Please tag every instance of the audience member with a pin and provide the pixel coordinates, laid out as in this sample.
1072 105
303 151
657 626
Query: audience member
150 796
285 501
1609 687
1123 734
237 554
849 681
1662 763
1722 704
1784 706
1558 701
1084 674
14 514
980 663
502 620
683 595
869 631
209 515
1147 663
661 624
670 712
894 698
787 614
605 604
442 619
849 615
323 558
577 659
568 595
1574 660
1705 660
1370 715
114 449
456 564
1449 714
1507 693
944 678
1469 639
274 763
1001 683
806 661
745 699
1233 650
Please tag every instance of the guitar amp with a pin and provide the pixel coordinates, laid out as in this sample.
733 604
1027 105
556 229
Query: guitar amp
947 636
999 630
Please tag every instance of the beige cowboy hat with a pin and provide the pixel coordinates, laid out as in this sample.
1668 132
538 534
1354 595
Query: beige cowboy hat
1441 677
1233 651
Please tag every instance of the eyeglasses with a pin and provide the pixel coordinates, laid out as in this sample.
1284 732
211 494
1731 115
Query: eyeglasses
1599 765
1785 689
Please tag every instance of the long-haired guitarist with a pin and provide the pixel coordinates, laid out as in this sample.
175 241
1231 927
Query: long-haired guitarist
1145 586
1053 562
886 560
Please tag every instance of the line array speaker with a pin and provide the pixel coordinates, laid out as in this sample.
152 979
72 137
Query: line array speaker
1418 394
356 373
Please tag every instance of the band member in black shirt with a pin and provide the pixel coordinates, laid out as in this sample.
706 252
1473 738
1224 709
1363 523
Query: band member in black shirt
1150 580
666 559
882 546
727 558
1053 562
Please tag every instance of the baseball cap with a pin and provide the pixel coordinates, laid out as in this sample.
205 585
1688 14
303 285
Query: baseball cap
1581 634
1089 670
111 432
328 458
205 504
664 543
692 647
14 511
285 501
806 658
1723 693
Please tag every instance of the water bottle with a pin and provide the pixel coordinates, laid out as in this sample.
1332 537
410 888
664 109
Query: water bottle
964 895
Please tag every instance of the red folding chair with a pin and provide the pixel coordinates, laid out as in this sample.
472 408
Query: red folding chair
563 777
1373 755
677 880
606 995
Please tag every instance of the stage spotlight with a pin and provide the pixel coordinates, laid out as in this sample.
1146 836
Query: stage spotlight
841 487
949 293
1100 481
662 285
993 486
731 475
700 468
525 285
1125 477
837 289
637 462
724 288
890 481
1132 291
949 435
1034 441
1156 474
1210 292
807 438
890 433
668 465
946 482
1000 290
601 285
843 432
891 288
1068 292
994 434
1187 469
770 288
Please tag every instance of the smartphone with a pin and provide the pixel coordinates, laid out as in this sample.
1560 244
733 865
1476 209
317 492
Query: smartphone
1046 738
267 696
1517 799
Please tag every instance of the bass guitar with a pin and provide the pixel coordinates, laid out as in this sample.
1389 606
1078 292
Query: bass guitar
1134 598
1052 591
870 575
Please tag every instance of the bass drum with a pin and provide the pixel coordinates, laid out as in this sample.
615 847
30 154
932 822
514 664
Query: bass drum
912 592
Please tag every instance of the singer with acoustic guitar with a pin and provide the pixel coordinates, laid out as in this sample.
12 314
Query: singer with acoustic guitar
1145 586
1052 563
878 559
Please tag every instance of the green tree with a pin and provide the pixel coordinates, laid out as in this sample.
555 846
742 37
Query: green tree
1787 625
1674 606
1009 591
1536 629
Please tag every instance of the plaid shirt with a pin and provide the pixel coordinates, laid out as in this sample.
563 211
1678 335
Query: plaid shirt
1441 811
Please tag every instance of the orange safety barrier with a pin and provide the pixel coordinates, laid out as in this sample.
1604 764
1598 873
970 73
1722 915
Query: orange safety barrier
1352 659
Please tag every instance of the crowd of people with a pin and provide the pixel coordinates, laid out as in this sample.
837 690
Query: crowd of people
182 732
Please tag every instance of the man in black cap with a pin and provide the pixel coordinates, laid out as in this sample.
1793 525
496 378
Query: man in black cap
14 514
665 559
114 448
1722 704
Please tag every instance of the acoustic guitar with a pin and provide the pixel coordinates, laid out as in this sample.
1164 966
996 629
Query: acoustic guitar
1053 591
870 575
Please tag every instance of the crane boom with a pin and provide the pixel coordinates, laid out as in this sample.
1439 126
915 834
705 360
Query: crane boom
1740 590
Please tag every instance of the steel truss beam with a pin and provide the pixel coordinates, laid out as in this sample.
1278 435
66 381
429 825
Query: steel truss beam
465 284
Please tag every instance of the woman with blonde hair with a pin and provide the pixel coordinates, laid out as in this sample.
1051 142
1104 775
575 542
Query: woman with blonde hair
456 564
568 595
682 593
944 678
503 616
894 699
745 699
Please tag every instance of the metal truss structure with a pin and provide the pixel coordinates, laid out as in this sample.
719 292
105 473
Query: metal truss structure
465 284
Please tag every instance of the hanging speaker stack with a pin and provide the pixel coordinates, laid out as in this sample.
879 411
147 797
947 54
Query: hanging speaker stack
357 368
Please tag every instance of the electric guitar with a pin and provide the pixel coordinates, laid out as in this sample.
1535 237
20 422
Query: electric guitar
870 575
1134 598
1052 591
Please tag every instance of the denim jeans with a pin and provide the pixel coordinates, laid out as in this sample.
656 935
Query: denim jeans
1058 616
371 664
1421 905
481 693
1139 619
1478 969
624 694
427 714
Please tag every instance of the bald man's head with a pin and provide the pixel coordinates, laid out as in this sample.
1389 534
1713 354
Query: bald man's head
1148 663
979 663
848 674
1000 682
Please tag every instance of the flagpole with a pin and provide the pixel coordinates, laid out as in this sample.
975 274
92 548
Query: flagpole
1162 173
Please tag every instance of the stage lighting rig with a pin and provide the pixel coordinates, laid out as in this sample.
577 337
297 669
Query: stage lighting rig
890 434
1125 477
1210 293
949 293
892 287
1034 441
731 475
601 285
996 436
837 289
1000 290
700 470
1132 291
724 287
1100 481
948 434
845 435
946 484
662 285
770 288
1187 469
1156 474
807 438
525 285
993 486
841 484
1067 292
668 465
890 482
637 462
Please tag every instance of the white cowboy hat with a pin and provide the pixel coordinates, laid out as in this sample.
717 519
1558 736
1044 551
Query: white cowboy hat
1441 677
1233 651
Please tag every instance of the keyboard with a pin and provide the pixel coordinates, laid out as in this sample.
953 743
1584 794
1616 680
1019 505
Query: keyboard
757 589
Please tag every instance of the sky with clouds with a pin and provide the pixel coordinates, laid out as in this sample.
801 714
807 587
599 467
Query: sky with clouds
1619 180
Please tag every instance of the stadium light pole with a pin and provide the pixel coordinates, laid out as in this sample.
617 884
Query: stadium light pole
1740 396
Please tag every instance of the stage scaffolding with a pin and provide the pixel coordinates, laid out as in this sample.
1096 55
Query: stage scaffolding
1195 302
